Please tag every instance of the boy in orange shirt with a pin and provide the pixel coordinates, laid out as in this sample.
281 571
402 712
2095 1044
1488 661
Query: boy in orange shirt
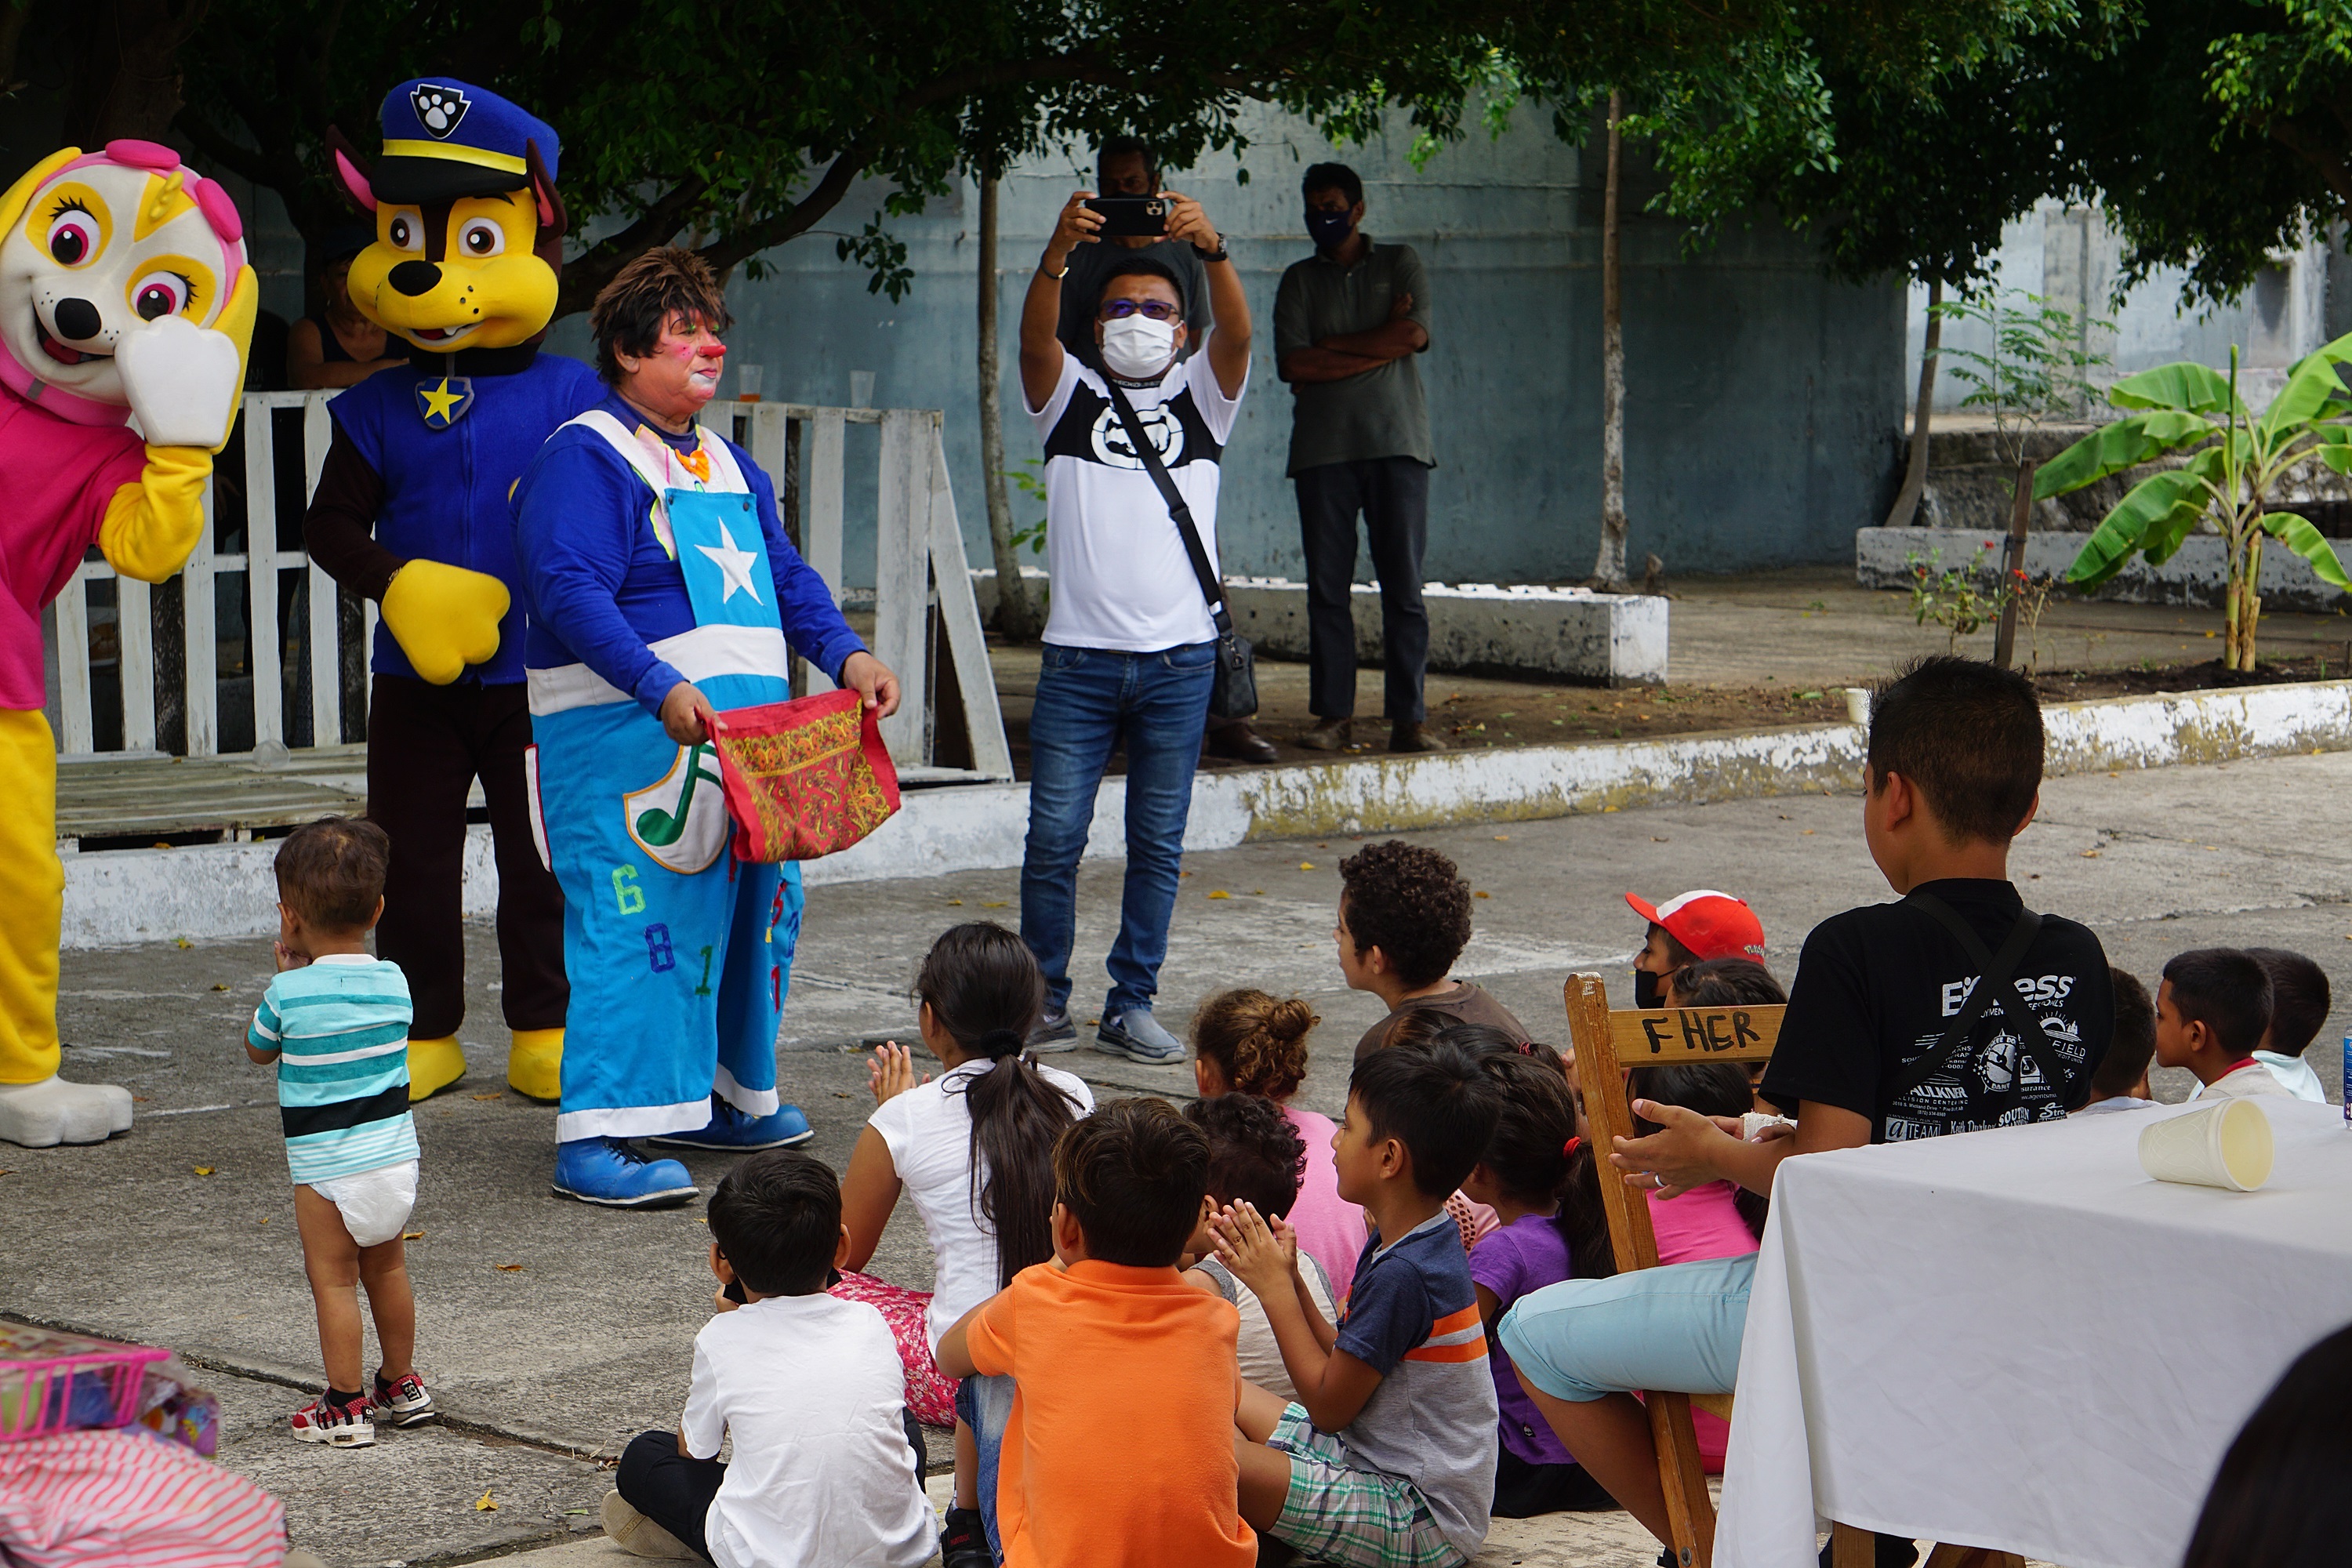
1106 1332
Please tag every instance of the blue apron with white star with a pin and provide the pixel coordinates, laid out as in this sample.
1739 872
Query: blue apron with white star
678 953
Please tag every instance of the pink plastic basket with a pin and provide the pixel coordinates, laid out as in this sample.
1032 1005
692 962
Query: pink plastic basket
52 1382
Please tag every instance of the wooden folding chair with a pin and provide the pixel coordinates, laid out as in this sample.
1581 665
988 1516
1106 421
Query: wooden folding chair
1607 1045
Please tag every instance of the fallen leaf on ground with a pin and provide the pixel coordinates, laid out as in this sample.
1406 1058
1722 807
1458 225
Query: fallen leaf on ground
1482 895
412 1236
220 987
1607 809
1655 839
956 901
204 1170
1219 893
1307 864
265 1221
498 1095
12 1173
997 904
487 1504
2090 854
178 941
510 1268
1502 839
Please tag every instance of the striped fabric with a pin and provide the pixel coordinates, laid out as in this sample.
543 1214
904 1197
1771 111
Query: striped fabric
1455 1337
82 1499
340 1025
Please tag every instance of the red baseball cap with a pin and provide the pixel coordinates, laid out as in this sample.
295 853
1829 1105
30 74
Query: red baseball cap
1710 924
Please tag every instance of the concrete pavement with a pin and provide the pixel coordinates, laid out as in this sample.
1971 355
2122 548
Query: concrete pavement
552 1331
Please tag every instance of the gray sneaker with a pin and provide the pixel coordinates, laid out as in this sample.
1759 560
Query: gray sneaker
1136 1036
1054 1032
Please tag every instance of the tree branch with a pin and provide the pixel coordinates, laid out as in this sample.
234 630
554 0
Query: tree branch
2328 165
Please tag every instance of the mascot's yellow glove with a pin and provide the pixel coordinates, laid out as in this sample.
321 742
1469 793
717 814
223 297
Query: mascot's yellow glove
153 524
444 617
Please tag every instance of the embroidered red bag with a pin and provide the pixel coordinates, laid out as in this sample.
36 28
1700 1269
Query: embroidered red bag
804 778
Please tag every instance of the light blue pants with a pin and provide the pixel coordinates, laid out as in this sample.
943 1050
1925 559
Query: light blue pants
1676 1328
678 980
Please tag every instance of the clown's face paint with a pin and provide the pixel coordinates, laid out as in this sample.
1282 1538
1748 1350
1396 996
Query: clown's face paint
679 375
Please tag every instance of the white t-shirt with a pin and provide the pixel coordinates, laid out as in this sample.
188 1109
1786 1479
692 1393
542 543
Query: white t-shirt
929 1132
1121 578
812 1389
1254 1346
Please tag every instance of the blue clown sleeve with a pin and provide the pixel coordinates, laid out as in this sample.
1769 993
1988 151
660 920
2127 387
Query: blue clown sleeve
575 513
813 622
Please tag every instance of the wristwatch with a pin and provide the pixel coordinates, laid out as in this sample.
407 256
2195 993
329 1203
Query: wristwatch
1220 253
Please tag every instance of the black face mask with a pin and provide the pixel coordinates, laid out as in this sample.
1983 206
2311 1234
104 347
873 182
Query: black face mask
1329 230
1647 992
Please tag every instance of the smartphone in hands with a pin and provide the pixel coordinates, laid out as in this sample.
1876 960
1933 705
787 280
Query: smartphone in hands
1130 218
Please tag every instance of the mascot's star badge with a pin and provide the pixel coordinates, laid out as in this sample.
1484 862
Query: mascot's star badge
445 402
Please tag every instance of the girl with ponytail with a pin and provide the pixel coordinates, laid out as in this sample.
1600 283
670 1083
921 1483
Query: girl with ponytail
1246 1042
973 1148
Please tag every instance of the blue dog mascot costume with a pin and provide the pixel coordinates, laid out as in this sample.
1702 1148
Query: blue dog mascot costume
647 560
412 510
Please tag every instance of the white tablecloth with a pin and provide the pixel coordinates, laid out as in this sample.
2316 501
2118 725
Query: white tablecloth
2014 1338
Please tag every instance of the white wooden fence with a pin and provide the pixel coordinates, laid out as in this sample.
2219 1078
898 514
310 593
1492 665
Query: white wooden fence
923 597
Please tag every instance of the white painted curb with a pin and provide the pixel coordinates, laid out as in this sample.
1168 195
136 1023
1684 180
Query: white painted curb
219 890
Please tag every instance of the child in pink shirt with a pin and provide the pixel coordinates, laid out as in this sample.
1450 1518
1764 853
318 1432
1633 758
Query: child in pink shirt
1246 1042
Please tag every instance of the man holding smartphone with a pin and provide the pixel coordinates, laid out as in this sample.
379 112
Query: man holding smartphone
1130 648
1347 321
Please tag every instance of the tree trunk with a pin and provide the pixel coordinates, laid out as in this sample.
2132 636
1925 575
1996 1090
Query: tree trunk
1609 570
1016 618
128 70
1923 412
2250 600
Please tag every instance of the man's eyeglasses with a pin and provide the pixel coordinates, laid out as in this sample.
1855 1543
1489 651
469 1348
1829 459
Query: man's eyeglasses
1154 309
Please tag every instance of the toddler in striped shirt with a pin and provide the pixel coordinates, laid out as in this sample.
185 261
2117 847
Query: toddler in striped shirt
335 1021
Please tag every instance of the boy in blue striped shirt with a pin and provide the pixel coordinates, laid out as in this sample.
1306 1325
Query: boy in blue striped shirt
336 1023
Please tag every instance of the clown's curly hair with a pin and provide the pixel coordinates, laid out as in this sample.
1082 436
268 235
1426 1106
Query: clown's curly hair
628 315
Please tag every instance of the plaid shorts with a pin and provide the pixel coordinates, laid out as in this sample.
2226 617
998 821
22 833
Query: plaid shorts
1339 1512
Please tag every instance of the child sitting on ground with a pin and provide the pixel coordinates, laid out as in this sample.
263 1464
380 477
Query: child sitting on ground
1524 1176
1690 928
1120 1444
827 1464
1405 918
1254 1157
2121 1081
336 1023
1727 982
973 1149
1387 1455
2299 1002
2210 1014
1246 1042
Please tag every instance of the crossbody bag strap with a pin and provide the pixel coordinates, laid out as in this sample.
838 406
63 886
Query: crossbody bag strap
1995 970
1179 509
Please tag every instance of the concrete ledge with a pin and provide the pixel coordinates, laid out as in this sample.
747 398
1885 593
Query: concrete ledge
223 890
1475 628
2195 575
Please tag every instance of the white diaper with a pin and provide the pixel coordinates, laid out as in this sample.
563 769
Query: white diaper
374 1203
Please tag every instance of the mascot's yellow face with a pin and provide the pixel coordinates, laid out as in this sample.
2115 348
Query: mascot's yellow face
460 274
94 247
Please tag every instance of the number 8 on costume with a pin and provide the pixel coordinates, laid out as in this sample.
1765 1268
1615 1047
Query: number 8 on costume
649 560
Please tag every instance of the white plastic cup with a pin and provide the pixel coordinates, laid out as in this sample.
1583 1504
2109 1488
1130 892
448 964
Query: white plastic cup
2224 1145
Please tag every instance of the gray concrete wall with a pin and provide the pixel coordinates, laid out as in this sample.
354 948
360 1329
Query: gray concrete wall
1764 403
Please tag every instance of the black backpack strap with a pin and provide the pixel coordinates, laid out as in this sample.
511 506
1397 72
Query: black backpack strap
1994 972
1179 509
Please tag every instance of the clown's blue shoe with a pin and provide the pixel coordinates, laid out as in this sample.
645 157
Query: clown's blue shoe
729 1129
608 1172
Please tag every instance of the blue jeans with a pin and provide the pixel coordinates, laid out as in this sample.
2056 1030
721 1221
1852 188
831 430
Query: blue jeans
985 1404
1156 705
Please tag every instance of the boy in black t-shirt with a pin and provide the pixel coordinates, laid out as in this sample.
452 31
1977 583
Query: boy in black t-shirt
1885 1038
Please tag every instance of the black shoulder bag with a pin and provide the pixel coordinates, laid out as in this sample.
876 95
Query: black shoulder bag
1233 692
1994 972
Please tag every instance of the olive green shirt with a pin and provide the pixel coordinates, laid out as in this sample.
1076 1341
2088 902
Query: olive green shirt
1380 413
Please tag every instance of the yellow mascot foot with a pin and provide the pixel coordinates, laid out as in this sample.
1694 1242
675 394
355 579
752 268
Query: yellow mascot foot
434 1066
535 1064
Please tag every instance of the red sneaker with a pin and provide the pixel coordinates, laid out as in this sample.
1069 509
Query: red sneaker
404 1402
350 1426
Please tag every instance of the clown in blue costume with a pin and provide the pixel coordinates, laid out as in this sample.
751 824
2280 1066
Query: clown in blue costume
661 588
412 510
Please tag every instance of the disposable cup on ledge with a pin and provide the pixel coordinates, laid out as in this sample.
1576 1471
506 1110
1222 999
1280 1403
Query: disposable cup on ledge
2225 1145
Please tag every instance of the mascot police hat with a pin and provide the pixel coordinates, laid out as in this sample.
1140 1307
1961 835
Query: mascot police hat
444 139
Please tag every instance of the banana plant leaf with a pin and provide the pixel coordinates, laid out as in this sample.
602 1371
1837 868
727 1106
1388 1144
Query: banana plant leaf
2160 509
2125 444
2309 387
2298 534
2186 386
2334 447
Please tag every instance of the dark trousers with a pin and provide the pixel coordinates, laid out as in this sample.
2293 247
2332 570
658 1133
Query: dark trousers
674 1490
426 744
1525 1491
1392 494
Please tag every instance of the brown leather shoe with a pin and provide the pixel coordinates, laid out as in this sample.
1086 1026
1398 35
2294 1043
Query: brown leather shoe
1238 741
1407 736
1328 735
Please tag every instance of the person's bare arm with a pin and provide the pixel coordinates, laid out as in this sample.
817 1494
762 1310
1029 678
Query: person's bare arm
1229 340
869 1193
1041 309
954 1355
1333 1385
1394 339
1690 1150
1316 363
305 361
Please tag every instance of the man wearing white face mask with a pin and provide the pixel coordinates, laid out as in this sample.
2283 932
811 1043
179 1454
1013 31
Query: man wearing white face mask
1129 647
